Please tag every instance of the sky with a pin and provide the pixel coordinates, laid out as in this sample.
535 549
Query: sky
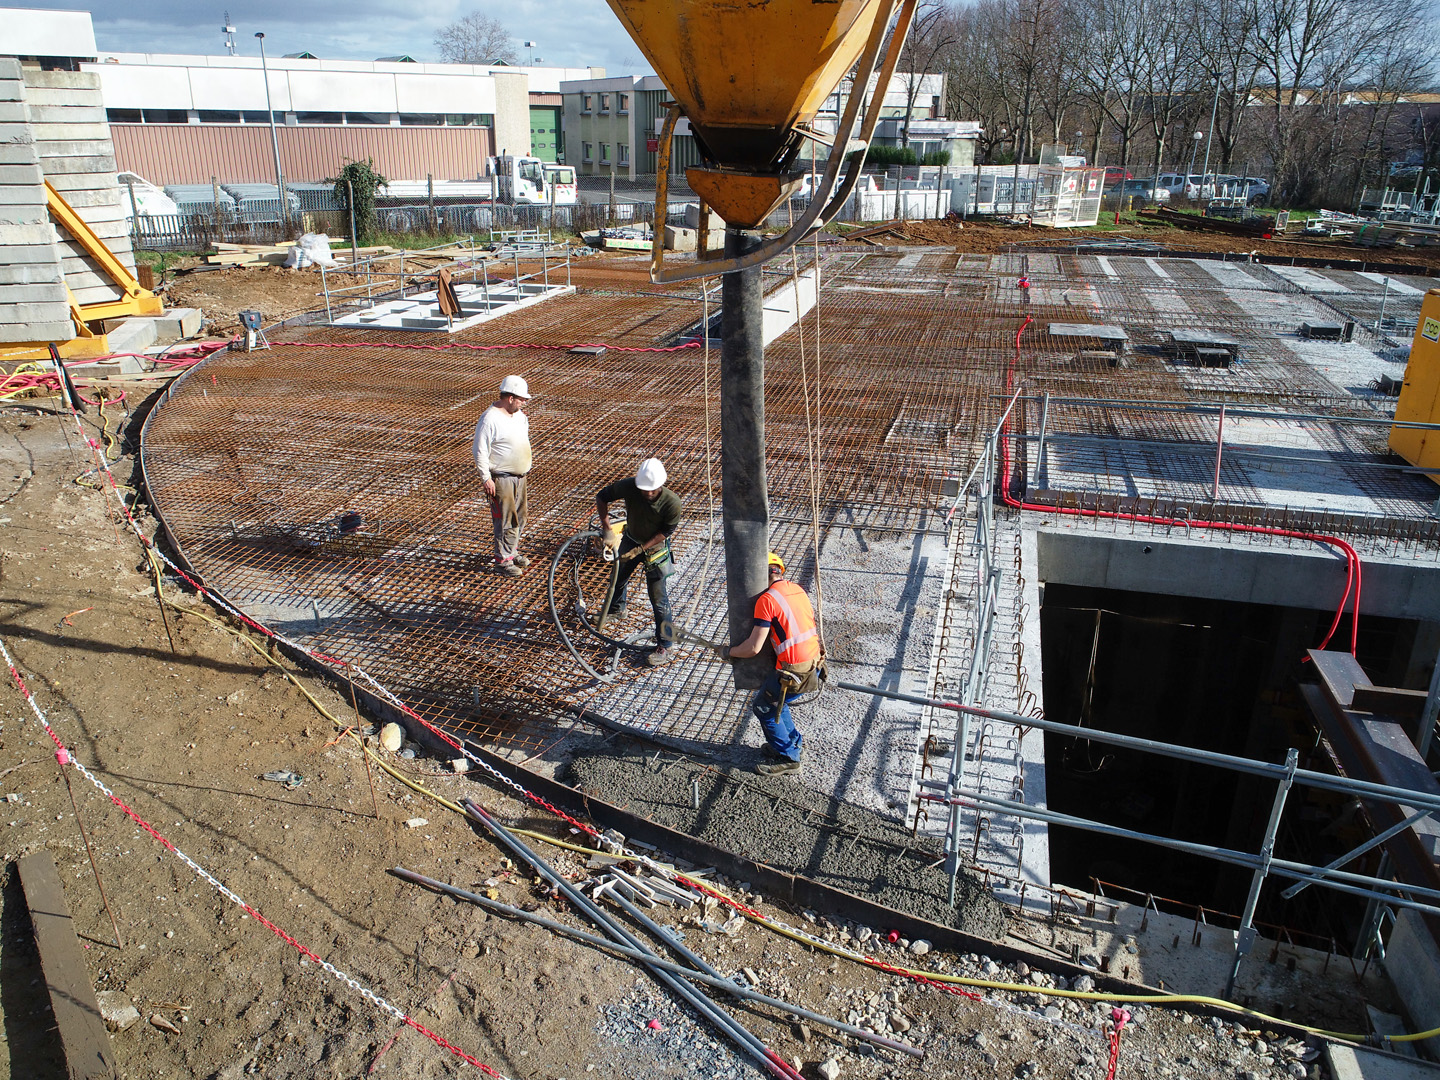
568 33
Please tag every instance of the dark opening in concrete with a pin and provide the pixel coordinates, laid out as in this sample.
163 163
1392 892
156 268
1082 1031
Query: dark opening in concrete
1207 671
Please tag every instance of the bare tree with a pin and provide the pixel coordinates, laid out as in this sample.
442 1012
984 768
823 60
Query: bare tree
931 35
476 39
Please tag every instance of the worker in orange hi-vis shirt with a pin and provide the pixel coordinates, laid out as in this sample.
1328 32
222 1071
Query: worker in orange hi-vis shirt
784 611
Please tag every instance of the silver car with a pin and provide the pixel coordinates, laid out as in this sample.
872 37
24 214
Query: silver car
1147 189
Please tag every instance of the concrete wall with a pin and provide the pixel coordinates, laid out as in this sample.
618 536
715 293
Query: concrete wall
33 306
1281 577
512 113
67 117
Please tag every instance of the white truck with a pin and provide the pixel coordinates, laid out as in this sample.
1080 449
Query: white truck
528 181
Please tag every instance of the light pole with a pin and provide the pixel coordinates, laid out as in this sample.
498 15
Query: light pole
1193 151
274 138
1214 109
531 46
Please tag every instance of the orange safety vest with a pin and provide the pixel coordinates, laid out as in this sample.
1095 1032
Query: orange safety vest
792 623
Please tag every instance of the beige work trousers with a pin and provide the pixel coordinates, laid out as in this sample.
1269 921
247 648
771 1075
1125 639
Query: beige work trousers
508 508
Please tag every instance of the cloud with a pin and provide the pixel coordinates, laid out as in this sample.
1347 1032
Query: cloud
568 33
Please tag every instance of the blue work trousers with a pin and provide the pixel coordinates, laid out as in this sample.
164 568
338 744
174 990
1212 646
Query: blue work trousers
655 575
772 709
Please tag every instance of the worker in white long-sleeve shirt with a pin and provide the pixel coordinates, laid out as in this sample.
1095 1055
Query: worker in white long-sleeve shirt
502 454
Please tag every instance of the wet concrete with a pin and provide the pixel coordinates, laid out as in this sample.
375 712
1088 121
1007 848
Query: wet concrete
775 821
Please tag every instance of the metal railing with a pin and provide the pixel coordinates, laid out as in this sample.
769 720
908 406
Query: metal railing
1263 863
387 277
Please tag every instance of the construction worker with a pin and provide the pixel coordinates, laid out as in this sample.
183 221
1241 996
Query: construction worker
502 454
652 514
785 610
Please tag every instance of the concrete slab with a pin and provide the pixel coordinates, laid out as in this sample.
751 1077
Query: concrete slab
177 324
132 335
1347 1062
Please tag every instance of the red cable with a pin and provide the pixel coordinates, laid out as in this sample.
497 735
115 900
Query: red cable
482 348
1353 564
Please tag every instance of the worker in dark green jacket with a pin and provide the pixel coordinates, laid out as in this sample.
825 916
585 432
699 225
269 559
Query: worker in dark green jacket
652 514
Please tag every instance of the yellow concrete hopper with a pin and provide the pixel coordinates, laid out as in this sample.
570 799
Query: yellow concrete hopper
745 74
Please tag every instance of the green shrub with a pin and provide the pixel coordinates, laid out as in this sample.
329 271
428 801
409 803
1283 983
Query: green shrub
361 177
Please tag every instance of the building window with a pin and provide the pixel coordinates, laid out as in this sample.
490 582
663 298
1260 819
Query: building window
259 116
367 118
465 119
623 151
604 153
319 117
123 116
623 103
167 116
421 119
219 116
589 147
584 103
604 103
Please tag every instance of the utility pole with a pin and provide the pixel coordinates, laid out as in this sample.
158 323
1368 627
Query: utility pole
274 138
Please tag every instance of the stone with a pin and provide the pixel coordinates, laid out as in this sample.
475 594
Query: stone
1083 983
391 737
163 1024
460 764
415 822
899 1022
829 1069
919 947
1022 969
116 1010
863 934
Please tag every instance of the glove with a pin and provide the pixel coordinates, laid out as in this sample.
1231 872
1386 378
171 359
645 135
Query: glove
633 553
723 652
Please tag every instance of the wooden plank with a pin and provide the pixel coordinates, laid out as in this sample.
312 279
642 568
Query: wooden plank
72 997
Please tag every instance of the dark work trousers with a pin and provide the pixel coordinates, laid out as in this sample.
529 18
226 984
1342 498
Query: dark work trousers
771 707
508 507
655 575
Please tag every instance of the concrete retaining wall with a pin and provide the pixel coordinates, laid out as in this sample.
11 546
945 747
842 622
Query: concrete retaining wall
1280 577
33 305
72 138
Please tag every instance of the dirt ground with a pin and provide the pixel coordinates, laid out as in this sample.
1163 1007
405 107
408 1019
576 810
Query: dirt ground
281 294
185 734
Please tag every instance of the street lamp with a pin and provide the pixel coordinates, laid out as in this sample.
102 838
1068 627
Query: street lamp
1079 135
1193 151
531 45
274 138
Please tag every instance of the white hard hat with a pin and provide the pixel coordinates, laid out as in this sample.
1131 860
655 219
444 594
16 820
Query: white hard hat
514 384
650 475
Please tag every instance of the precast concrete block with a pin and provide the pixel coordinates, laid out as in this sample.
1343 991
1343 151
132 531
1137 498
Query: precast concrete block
71 80
13 112
17 153
692 219
177 324
131 335
88 112
38 330
20 174
28 273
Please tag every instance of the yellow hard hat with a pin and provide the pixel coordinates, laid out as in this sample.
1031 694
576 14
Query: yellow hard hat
775 560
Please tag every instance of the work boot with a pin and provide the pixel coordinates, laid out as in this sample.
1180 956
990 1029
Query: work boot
508 569
783 767
616 616
521 561
661 654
